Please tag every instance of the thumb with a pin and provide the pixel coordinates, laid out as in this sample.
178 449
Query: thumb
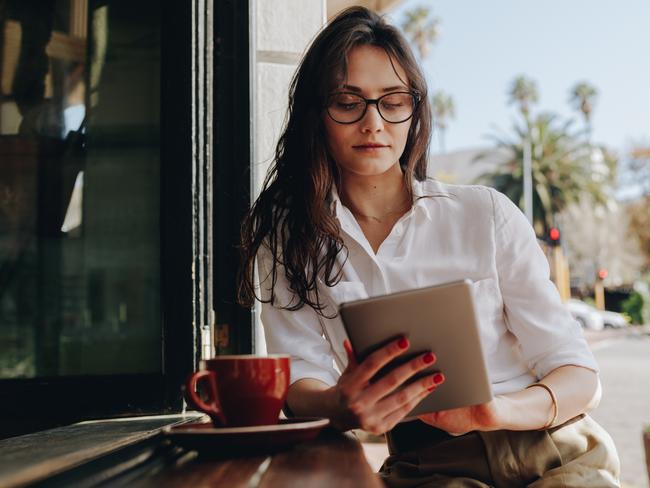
429 418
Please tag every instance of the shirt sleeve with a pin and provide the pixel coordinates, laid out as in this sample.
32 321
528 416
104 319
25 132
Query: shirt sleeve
547 334
296 333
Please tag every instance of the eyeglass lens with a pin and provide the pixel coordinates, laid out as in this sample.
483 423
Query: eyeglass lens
348 107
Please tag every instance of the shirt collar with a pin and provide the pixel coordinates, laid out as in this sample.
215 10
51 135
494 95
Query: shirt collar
419 199
334 200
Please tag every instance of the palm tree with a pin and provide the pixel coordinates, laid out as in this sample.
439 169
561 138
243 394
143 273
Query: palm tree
561 169
523 92
583 97
443 110
421 29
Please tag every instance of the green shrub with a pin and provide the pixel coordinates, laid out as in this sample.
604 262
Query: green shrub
633 306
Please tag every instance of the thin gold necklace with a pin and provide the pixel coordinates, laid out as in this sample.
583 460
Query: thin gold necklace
380 218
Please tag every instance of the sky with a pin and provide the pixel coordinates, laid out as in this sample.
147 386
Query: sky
484 45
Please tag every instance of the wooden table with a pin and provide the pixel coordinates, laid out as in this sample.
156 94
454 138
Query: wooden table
333 460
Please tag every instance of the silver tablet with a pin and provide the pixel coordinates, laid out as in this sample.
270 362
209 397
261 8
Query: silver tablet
441 319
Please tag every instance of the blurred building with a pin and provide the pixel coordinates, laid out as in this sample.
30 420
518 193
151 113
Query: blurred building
466 166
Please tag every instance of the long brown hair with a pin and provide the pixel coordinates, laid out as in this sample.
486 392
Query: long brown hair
291 216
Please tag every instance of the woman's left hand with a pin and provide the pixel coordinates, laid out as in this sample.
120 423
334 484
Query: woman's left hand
459 421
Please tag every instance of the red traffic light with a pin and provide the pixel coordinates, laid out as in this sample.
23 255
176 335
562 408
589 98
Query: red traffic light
554 234
602 273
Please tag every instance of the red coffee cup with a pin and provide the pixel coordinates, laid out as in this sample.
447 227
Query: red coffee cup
241 390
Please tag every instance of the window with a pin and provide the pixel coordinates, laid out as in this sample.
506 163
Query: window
106 202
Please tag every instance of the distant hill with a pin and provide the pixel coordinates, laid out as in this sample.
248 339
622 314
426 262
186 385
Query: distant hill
462 168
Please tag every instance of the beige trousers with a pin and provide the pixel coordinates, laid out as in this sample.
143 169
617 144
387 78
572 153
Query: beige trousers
576 454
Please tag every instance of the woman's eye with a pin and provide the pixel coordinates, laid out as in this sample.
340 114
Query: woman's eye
347 106
395 102
391 106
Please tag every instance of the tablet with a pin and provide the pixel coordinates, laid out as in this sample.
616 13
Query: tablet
441 319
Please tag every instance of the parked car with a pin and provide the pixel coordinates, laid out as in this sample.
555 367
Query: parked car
586 315
614 320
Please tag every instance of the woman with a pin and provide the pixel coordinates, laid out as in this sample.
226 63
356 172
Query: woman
347 212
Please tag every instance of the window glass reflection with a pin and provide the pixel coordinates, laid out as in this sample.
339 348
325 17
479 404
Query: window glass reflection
79 187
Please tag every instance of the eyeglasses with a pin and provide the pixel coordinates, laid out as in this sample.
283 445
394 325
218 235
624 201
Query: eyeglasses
348 108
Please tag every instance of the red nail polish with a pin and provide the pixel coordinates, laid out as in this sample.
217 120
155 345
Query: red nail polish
438 378
428 358
403 343
431 388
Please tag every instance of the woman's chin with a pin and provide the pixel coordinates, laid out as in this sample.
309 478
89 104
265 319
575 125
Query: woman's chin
369 169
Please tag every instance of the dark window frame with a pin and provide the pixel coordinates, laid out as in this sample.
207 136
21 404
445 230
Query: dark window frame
187 223
233 184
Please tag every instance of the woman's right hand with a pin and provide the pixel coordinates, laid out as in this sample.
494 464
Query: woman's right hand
377 407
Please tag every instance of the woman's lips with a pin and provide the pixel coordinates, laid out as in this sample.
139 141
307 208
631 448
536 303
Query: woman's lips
369 148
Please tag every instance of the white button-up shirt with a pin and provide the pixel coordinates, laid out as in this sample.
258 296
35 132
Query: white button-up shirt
451 233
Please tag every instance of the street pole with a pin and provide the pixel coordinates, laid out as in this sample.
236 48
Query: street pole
599 294
528 180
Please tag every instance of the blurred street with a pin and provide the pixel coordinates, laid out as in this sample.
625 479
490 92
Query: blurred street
624 357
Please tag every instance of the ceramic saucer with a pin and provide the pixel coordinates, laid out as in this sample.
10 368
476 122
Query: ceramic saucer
207 439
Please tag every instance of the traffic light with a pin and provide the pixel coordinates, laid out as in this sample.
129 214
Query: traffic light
602 273
554 236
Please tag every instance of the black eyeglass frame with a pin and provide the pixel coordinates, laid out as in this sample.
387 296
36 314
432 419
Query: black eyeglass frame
373 101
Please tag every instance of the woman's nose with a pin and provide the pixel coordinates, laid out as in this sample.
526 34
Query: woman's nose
372 121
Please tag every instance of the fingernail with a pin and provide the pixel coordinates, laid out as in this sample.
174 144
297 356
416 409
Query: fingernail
403 343
431 388
438 378
428 358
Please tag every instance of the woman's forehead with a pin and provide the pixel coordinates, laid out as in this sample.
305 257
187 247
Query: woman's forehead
370 68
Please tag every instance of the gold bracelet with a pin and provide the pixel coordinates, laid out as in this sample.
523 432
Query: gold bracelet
553 399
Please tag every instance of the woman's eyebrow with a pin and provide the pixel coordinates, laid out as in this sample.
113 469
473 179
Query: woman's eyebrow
385 90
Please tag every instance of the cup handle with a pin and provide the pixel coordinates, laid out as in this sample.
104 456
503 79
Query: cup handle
211 407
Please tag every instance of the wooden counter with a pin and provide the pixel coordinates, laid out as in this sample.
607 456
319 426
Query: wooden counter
333 460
